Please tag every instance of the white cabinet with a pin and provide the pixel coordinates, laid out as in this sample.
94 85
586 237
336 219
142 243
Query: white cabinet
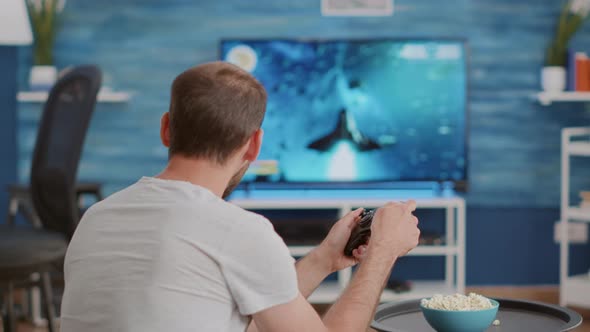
574 290
546 98
347 200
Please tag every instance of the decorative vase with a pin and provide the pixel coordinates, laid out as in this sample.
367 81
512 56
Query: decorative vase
553 79
42 77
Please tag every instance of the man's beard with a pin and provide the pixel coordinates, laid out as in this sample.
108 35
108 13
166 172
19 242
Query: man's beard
235 180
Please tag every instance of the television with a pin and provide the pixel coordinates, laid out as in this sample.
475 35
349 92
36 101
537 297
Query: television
359 113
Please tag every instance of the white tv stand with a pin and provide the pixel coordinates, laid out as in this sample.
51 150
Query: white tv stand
347 200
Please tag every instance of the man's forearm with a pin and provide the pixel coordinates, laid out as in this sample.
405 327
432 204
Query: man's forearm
355 308
311 271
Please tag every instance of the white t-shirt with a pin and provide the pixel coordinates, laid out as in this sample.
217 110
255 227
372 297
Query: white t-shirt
171 256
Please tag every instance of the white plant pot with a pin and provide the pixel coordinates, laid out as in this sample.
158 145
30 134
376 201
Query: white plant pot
553 79
42 77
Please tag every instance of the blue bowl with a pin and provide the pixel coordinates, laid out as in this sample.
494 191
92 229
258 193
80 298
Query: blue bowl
461 321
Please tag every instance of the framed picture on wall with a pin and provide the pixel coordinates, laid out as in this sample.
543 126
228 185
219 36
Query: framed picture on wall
357 7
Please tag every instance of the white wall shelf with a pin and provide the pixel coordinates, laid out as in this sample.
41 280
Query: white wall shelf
347 200
104 96
573 290
546 98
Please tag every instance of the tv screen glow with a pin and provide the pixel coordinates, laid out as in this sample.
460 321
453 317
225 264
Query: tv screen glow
358 110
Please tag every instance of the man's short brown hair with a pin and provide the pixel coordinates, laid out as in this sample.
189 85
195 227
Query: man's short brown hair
214 109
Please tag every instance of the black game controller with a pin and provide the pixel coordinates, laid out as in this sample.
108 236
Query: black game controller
360 233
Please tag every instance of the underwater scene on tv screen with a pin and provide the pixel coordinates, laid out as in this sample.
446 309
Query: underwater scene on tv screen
358 111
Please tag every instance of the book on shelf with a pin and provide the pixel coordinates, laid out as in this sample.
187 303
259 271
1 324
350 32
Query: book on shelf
571 70
585 196
582 72
578 71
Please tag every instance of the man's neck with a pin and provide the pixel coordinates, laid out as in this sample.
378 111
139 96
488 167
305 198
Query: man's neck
199 172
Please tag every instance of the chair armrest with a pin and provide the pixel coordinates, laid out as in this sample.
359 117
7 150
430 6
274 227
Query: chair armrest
18 190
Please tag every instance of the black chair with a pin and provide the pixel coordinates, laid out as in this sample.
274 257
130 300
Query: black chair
19 196
19 200
62 130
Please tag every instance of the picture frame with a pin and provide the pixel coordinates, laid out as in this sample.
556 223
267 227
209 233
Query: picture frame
357 7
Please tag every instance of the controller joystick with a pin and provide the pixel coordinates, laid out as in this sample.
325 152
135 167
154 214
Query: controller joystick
360 233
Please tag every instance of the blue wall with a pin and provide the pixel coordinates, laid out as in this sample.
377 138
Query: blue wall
514 142
8 122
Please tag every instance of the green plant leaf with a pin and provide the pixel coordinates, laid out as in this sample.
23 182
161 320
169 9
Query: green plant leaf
568 25
44 23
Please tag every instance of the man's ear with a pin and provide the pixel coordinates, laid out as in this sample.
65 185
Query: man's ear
165 129
254 144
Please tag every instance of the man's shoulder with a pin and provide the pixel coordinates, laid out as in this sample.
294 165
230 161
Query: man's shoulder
190 208
117 198
241 221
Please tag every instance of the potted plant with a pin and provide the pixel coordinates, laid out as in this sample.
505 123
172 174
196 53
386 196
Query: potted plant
44 16
573 15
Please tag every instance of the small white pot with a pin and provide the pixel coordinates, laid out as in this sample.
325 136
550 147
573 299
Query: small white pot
42 77
553 79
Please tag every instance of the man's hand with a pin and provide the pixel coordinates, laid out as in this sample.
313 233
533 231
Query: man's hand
394 233
329 256
331 250
395 229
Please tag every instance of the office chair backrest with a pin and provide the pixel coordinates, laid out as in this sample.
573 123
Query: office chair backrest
62 130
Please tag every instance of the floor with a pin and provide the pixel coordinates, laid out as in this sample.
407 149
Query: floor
544 294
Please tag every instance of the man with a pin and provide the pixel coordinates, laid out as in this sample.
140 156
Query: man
168 253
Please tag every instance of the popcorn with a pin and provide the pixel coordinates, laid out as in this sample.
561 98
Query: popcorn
457 302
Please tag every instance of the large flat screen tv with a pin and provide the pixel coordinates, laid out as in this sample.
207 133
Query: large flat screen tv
359 112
